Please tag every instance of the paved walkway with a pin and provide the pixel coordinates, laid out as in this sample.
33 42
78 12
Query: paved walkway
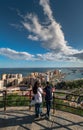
23 119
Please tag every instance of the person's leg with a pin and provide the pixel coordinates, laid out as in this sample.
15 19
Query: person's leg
40 109
50 104
36 109
47 106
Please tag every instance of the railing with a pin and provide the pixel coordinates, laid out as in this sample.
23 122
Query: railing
68 102
8 99
61 100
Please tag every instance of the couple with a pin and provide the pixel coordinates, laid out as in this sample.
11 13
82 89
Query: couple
38 92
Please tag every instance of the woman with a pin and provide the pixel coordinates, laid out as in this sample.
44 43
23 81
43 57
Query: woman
37 90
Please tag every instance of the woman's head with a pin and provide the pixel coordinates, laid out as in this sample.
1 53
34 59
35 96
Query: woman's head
36 85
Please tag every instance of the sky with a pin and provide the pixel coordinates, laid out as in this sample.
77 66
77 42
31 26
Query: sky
41 33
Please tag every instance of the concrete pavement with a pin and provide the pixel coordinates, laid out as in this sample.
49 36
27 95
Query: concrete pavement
20 118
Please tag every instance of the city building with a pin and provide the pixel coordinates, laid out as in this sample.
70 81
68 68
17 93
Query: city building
1 84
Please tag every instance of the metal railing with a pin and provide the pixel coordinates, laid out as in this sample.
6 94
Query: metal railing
61 100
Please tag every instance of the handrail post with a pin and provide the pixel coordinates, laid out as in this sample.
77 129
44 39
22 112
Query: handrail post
4 99
30 94
30 97
53 104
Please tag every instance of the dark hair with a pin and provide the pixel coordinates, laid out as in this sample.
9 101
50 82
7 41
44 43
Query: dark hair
47 83
35 87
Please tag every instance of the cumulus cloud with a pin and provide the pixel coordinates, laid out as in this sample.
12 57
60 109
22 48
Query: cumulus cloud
35 38
50 56
46 8
16 55
17 26
78 55
50 35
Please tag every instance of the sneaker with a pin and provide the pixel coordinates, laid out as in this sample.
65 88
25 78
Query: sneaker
36 116
39 116
49 117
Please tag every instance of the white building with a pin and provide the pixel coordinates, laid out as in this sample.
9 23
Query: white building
47 77
3 76
13 79
1 84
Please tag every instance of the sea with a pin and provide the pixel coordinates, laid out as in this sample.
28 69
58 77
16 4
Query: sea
70 73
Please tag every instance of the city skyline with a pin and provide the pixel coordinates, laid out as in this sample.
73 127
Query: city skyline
41 33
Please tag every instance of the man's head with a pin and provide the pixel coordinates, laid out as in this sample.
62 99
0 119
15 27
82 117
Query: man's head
47 83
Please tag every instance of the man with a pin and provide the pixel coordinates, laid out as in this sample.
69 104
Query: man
48 99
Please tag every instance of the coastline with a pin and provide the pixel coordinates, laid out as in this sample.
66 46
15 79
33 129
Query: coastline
71 73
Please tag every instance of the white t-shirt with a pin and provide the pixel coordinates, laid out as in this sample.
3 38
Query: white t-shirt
38 96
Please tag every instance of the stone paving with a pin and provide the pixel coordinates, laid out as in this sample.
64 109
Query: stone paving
20 118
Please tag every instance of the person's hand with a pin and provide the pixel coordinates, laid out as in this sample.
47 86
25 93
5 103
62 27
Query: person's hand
53 89
44 93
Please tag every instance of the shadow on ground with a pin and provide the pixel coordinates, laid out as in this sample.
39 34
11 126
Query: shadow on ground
25 120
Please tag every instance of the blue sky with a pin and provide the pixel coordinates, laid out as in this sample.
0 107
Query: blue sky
41 33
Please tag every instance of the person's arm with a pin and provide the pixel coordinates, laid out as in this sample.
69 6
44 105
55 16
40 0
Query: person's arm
44 91
40 90
53 89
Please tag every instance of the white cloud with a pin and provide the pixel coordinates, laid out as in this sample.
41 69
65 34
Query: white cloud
46 8
17 26
51 36
46 57
79 55
35 38
16 55
50 56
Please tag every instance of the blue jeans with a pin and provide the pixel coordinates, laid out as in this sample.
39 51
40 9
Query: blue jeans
38 109
48 106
